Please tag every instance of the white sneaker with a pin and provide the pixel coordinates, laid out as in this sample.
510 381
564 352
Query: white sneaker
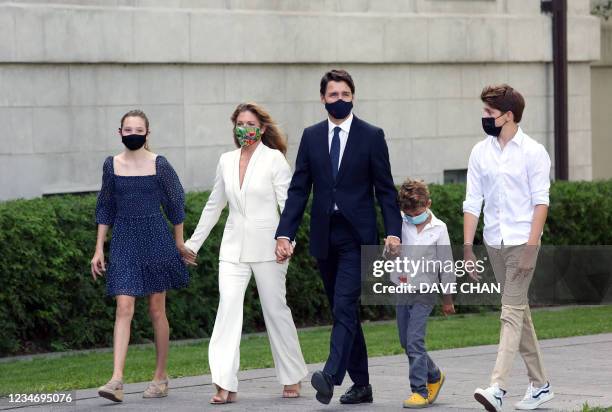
535 397
490 398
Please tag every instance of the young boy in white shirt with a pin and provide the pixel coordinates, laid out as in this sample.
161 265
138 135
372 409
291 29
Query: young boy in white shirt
511 172
424 238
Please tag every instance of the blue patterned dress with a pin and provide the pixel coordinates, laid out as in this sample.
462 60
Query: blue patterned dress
143 256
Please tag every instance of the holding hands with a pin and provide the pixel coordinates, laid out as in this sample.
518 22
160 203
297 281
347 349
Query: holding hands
189 257
392 247
284 250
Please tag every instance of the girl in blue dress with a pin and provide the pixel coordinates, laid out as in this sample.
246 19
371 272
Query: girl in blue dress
145 260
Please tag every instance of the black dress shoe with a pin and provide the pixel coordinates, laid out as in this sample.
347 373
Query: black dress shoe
322 382
358 394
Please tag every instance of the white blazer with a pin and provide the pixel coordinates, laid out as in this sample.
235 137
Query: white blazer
253 209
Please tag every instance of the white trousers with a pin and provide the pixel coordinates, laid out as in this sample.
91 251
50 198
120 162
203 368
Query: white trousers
224 347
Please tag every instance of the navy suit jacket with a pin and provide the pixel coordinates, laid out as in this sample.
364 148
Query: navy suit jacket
364 172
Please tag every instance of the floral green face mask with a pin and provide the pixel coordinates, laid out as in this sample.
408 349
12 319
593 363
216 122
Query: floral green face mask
247 135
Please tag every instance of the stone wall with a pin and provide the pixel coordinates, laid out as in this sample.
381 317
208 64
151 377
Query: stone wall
601 98
69 70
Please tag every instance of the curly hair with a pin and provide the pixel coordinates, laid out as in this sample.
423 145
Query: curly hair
413 194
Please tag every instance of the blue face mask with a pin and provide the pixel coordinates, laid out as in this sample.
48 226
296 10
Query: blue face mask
416 220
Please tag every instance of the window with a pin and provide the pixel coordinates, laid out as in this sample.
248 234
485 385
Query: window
455 176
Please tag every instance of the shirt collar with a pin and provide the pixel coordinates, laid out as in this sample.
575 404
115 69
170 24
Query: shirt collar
345 125
517 139
434 221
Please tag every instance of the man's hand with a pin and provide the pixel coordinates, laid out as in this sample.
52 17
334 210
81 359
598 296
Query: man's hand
469 259
284 250
392 246
527 261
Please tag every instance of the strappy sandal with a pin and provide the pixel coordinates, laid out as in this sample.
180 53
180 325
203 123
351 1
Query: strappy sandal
292 393
219 400
112 390
156 389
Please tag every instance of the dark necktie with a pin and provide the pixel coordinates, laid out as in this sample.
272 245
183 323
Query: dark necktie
334 152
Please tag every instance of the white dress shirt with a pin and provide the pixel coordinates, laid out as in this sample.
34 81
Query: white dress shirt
345 127
431 244
511 182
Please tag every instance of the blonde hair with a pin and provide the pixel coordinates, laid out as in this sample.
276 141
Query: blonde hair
272 137
143 116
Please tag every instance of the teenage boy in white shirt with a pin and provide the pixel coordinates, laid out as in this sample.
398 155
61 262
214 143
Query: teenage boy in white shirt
511 172
425 238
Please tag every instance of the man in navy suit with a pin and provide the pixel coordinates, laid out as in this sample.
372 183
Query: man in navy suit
345 162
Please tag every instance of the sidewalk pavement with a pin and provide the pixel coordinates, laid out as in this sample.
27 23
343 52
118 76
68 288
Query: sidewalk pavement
579 368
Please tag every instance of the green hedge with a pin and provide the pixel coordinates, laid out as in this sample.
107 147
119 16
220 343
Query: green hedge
48 300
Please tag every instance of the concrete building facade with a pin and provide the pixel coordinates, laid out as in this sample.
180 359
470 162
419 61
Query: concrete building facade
70 68
601 102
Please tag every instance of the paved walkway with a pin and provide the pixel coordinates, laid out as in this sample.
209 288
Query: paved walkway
580 369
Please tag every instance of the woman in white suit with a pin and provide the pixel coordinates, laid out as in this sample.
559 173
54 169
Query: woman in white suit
254 180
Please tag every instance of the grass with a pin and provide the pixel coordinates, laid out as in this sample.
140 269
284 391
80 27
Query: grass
89 370
587 408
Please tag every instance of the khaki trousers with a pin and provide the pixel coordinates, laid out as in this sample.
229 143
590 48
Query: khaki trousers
517 332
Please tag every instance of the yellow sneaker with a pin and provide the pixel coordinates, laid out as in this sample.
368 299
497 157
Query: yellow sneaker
416 401
433 389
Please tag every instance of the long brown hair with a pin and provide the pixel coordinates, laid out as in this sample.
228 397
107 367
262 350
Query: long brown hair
143 116
272 137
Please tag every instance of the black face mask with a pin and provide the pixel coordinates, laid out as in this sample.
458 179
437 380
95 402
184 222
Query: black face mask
488 125
134 141
339 109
